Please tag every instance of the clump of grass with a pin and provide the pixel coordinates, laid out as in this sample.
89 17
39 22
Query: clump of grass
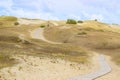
77 59
6 61
82 33
80 21
88 29
71 21
101 30
42 26
16 23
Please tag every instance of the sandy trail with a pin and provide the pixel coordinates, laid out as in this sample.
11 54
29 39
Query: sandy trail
104 69
38 34
114 74
41 68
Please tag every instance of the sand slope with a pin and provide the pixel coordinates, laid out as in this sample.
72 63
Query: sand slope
36 68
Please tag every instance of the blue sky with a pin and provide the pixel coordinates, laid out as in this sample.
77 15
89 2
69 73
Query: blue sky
103 10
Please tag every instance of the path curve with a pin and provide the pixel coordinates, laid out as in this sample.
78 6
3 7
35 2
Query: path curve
105 68
38 34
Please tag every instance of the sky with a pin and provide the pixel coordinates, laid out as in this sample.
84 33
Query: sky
104 10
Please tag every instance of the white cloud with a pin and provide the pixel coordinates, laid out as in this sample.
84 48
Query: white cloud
97 16
104 10
7 4
72 16
20 8
29 14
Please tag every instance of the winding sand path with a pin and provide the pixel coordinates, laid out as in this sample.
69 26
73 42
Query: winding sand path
38 34
105 68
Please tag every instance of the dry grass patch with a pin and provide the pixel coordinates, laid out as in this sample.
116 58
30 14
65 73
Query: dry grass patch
7 21
6 61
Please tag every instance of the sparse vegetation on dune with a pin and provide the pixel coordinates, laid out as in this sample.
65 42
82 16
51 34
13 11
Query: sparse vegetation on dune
7 21
8 18
11 44
75 38
97 36
5 61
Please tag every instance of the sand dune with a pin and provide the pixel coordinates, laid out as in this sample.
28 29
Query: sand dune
35 68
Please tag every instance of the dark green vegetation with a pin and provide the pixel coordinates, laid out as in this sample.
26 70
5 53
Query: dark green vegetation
16 23
42 25
80 21
71 21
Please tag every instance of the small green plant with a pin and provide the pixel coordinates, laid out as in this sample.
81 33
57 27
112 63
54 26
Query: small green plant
16 23
42 26
71 21
80 21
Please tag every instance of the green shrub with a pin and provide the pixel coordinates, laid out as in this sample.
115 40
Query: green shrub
71 21
16 23
80 21
42 26
96 20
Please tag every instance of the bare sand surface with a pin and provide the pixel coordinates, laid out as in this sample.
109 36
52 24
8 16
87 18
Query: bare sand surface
27 22
36 68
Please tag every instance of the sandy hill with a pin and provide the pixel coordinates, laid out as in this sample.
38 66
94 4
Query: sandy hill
29 43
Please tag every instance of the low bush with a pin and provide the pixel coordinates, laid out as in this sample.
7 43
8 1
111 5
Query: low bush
71 21
42 26
80 21
96 20
16 23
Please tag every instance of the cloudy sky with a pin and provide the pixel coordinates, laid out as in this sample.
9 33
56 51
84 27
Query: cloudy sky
104 10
